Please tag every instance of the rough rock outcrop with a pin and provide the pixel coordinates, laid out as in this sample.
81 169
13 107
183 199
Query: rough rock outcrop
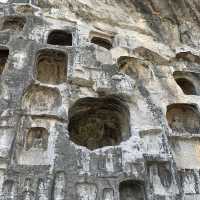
99 100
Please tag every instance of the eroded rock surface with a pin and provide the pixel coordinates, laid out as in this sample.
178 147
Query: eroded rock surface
100 100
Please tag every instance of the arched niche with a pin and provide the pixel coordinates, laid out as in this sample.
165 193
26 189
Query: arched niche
98 122
184 80
41 100
4 53
15 23
183 118
131 190
60 37
51 66
133 67
37 138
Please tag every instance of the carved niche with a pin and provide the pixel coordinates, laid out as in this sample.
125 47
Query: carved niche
98 122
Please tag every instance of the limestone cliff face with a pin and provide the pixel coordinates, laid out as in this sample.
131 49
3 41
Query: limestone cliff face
99 100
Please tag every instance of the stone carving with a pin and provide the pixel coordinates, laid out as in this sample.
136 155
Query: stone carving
15 23
51 66
102 125
42 193
108 194
183 118
28 194
95 73
59 186
37 137
9 189
134 68
39 99
86 191
165 175
189 182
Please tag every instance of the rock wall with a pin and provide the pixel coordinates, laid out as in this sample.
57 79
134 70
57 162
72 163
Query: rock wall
99 100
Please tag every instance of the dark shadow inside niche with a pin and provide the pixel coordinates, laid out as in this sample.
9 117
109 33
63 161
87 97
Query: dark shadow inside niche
37 138
98 122
183 118
102 42
60 37
51 66
15 23
182 79
131 190
4 53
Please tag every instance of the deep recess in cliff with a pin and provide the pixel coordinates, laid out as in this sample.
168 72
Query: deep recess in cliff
99 100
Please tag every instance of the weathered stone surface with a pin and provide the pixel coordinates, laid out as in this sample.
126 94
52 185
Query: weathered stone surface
99 100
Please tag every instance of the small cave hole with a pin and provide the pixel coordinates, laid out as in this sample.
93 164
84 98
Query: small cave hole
186 85
37 137
183 118
102 42
98 122
4 53
60 37
133 190
15 23
51 67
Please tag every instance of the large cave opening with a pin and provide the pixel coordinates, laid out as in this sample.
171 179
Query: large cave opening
98 122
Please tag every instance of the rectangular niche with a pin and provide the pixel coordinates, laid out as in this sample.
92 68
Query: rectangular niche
51 66
152 141
131 189
186 152
35 141
13 23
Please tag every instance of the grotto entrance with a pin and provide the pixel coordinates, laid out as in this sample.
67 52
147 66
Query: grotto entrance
98 122
60 37
183 118
3 59
51 66
131 190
